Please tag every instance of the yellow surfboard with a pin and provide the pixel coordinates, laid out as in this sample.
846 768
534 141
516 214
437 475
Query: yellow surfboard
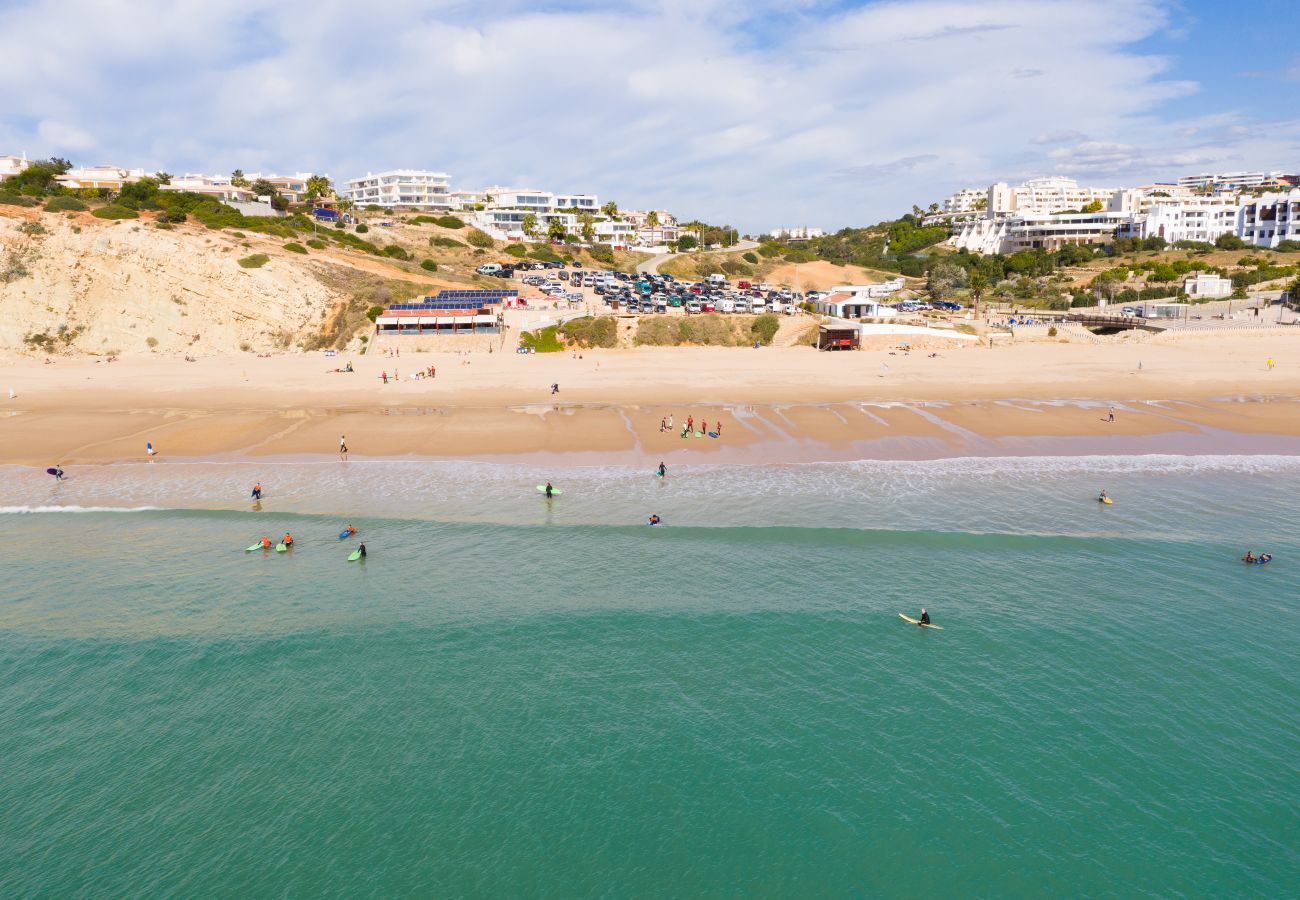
919 622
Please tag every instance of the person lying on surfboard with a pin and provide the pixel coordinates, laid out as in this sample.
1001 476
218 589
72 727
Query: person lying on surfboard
350 530
925 617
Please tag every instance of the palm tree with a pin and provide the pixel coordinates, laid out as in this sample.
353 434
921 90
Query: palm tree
556 230
317 186
652 219
977 283
530 224
588 223
610 209
237 178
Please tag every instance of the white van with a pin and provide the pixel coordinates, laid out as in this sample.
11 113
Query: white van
489 268
717 279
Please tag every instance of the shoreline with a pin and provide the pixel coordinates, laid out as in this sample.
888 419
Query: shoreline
776 405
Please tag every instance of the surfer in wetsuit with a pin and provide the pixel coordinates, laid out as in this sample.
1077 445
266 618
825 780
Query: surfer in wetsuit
925 617
654 520
549 490
288 539
1249 557
1102 497
362 549
663 470
265 542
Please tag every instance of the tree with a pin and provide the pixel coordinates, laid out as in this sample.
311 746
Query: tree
587 222
1229 242
317 186
944 278
164 177
916 211
977 282
1094 206
934 208
652 219
610 209
530 224
237 178
687 242
555 229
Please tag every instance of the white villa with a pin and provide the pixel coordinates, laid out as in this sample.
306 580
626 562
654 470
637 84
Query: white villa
400 189
12 165
96 177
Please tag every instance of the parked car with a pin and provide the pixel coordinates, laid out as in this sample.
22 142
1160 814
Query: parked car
488 268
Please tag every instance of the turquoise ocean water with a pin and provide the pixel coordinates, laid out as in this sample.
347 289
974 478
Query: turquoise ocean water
516 698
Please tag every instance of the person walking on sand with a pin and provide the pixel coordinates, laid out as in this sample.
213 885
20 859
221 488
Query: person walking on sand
1111 416
1270 364
384 376
663 425
343 447
149 449
57 472
670 421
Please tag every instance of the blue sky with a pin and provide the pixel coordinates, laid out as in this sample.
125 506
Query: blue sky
762 113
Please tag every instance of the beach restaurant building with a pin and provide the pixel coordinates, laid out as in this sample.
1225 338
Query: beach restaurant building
450 312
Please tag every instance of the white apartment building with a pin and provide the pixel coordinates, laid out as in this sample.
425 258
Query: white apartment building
1037 232
577 202
400 189
499 197
798 233
1234 180
99 177
1042 196
966 200
1269 219
1201 219
12 165
1204 284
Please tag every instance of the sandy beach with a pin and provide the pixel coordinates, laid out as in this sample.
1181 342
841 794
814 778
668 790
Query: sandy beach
1191 395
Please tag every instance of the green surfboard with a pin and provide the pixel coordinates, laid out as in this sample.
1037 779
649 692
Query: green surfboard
281 547
257 546
555 492
356 555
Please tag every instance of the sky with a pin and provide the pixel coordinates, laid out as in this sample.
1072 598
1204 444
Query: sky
759 114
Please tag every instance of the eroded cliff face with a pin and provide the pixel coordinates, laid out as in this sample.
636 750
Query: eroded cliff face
94 287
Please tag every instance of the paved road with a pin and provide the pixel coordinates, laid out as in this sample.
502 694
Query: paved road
651 265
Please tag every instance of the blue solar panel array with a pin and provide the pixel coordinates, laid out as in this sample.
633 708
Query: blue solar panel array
454 300
475 295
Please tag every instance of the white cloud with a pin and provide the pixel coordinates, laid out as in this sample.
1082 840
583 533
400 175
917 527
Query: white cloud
756 113
61 134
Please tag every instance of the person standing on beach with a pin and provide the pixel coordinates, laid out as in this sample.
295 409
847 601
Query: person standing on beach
1111 416
149 449
384 376
343 447
1270 364
57 472
670 421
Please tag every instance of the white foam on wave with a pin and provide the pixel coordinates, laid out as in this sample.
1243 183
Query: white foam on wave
25 510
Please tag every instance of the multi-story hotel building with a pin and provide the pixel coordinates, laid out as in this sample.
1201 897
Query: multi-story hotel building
400 189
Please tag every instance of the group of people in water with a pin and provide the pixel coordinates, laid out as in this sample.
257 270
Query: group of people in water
1262 558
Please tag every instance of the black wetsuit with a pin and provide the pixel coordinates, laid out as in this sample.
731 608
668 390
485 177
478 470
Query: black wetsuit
363 551
925 618
662 470
548 492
